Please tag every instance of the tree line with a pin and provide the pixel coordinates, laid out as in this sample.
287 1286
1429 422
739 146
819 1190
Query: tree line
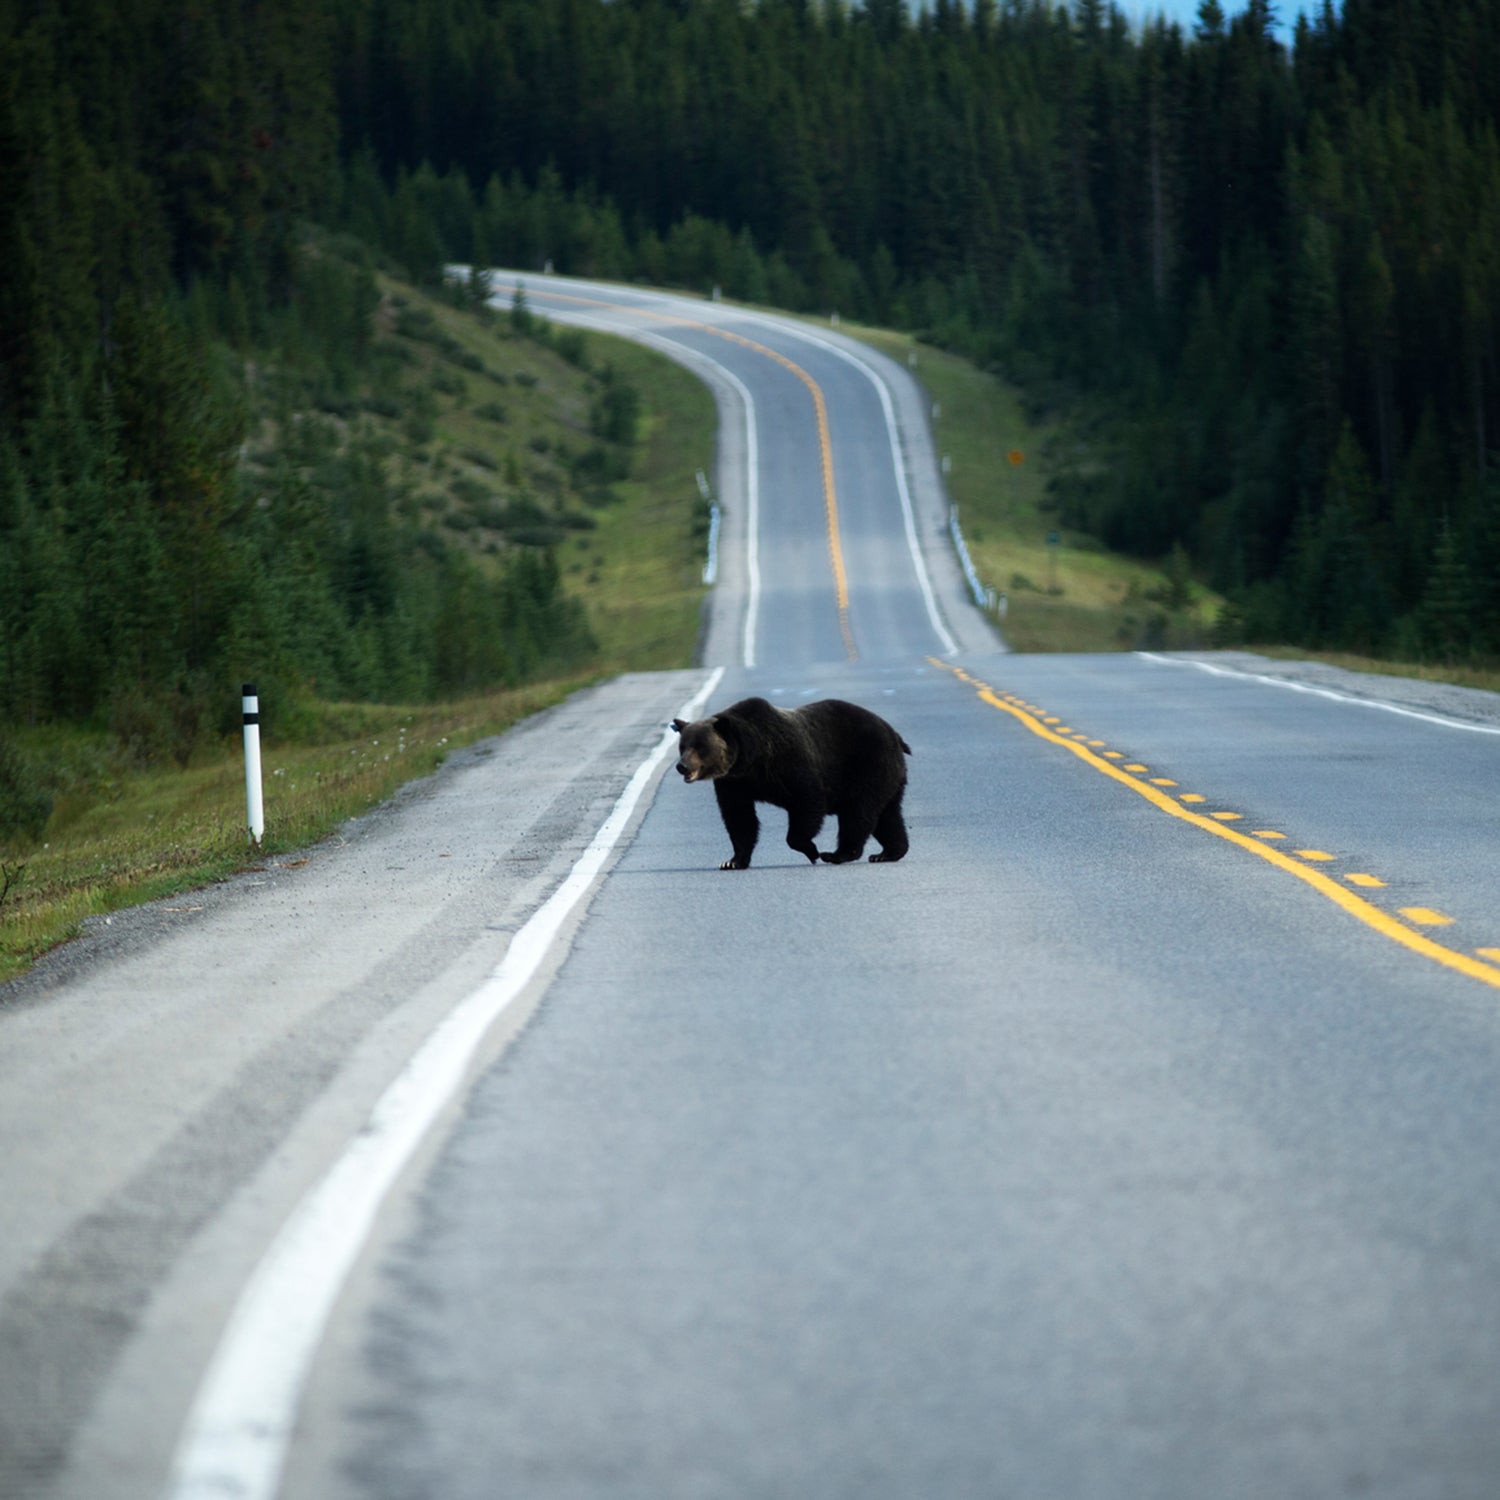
144 565
1270 274
159 165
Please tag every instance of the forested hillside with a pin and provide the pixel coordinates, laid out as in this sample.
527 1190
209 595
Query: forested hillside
1272 273
210 415
1264 283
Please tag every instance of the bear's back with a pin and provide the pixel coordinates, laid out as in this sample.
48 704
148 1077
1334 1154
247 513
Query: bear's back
854 746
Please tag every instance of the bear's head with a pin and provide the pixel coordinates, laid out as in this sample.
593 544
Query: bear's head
705 749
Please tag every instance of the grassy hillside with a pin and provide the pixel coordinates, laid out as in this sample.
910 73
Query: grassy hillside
499 433
492 437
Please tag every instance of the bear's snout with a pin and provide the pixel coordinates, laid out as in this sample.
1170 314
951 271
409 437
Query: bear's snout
701 756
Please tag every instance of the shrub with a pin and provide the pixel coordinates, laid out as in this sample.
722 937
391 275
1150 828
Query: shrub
470 492
25 805
153 724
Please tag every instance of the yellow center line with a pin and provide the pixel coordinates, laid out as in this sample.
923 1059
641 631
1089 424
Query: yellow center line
825 440
825 449
1368 913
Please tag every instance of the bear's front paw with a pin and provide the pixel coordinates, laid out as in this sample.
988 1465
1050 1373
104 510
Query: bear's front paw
735 864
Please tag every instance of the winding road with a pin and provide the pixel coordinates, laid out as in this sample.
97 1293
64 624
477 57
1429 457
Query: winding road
1135 1136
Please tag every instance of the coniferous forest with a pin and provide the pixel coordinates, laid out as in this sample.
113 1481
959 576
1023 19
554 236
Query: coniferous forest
1263 279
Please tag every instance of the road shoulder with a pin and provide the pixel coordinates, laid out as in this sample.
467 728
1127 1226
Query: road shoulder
181 1073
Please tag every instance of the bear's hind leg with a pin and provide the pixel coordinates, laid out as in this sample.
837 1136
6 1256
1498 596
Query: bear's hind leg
890 832
855 825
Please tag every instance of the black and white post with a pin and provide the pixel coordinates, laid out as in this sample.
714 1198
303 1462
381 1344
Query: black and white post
254 806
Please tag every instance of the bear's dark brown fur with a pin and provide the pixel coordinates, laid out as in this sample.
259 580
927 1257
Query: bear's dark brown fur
825 759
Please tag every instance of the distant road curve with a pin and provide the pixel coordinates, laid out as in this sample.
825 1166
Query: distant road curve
754 363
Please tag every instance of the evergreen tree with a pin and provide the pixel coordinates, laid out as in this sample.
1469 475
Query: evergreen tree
1445 616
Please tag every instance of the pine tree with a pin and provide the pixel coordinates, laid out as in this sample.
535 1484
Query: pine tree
1445 616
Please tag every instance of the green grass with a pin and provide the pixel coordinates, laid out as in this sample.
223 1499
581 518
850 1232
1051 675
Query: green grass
118 838
517 425
640 572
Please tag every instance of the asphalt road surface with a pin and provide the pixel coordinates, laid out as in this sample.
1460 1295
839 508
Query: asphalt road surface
1135 1136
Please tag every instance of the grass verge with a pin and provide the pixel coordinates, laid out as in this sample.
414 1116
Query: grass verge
117 839
1487 679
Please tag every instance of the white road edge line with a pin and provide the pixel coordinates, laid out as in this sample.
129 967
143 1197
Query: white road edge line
752 492
685 354
238 1430
752 518
599 320
1319 692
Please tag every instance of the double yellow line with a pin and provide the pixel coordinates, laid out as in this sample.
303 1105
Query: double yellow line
825 441
1040 724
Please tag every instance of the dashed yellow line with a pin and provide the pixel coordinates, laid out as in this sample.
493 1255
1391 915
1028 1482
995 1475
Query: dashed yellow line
1300 863
1426 917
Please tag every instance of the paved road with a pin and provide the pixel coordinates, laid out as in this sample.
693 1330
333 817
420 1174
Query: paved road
1135 1136
1082 1154
836 542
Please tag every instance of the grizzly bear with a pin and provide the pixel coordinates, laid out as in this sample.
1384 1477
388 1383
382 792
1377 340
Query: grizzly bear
829 758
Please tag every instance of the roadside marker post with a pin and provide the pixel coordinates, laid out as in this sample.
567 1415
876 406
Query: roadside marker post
254 804
711 563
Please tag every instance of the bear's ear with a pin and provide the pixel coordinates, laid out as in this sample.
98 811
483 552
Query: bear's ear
741 747
679 725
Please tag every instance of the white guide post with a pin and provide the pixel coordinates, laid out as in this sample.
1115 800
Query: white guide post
254 805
